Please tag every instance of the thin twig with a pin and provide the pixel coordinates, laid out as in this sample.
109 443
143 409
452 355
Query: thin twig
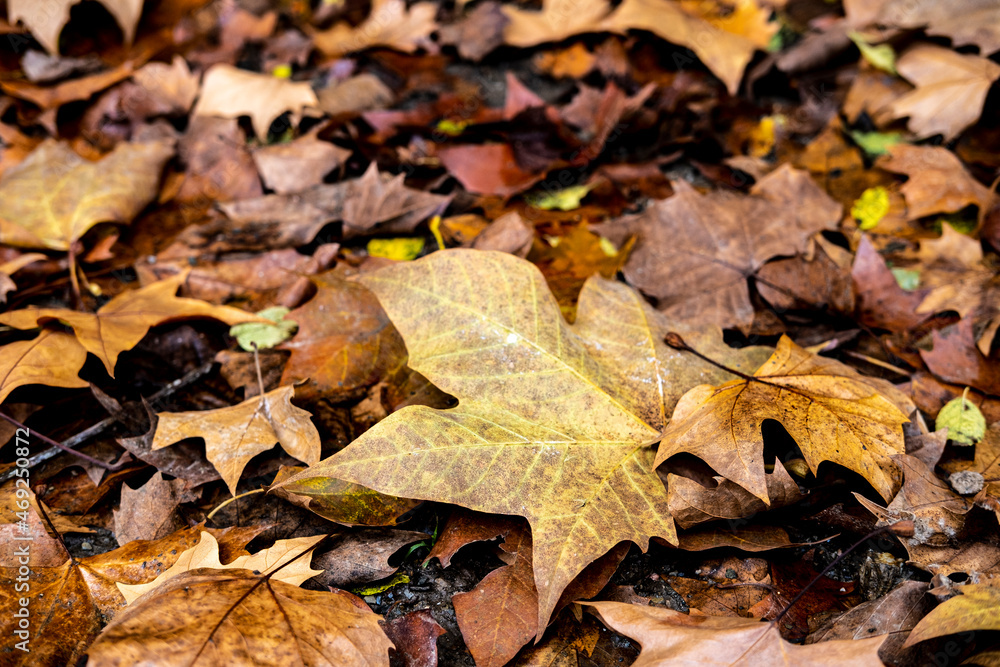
44 438
101 426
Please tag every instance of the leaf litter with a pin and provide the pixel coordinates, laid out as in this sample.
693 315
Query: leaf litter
660 305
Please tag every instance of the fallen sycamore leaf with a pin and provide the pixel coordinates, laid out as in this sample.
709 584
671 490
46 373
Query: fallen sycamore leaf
554 421
670 637
205 554
963 21
230 93
833 412
950 90
937 182
52 358
54 196
45 20
236 434
234 617
975 609
391 23
117 326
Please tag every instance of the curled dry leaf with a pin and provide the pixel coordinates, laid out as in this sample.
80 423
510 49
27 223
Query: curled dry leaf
950 90
691 503
230 617
963 21
46 20
123 321
974 609
230 93
283 559
391 23
670 637
832 411
554 421
54 196
236 434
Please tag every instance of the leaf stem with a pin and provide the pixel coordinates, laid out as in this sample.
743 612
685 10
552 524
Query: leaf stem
674 340
226 502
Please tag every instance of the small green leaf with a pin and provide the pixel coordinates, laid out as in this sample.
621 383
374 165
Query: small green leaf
881 56
264 335
567 199
965 423
908 279
452 128
871 207
401 249
876 143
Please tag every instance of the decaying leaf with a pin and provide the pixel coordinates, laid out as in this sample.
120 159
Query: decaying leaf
695 252
391 23
345 340
938 181
236 434
343 502
545 428
230 92
237 617
120 323
670 637
54 196
282 559
373 203
147 513
45 20
951 89
833 413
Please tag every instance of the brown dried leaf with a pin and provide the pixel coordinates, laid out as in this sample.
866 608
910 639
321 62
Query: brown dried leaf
230 93
832 411
950 90
374 203
46 20
391 23
669 636
236 434
52 358
362 556
691 503
235 617
54 196
147 513
695 252
122 322
345 341
415 636
938 181
299 164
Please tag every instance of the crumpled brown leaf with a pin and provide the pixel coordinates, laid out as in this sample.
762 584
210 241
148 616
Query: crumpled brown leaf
695 252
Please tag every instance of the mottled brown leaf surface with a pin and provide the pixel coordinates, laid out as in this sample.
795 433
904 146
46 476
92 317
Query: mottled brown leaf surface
832 411
678 639
696 251
54 196
236 617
